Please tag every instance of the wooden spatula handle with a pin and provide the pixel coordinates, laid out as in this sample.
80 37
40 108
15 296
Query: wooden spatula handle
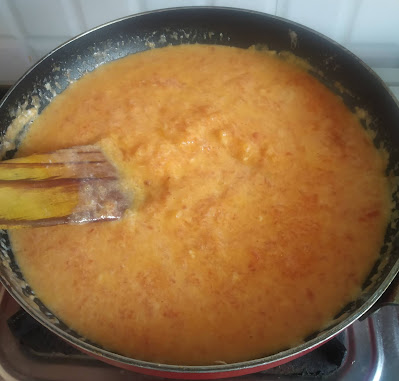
73 185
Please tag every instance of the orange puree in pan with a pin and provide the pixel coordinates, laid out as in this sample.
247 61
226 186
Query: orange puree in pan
260 207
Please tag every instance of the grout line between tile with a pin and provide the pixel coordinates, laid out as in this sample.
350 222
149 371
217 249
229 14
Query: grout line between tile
20 29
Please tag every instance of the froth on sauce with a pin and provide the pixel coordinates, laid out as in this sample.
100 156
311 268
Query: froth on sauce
260 207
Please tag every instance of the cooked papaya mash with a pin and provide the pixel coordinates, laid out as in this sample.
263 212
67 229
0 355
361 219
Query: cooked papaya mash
260 205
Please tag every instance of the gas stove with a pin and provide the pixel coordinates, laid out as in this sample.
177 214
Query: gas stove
367 350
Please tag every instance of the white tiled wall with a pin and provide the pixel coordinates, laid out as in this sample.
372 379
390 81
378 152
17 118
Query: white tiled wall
31 28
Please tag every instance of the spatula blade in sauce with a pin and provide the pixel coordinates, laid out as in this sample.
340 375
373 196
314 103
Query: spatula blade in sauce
68 186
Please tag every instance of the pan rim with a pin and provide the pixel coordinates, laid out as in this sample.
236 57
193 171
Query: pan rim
231 367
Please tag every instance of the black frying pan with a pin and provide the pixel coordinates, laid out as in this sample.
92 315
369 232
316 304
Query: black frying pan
219 26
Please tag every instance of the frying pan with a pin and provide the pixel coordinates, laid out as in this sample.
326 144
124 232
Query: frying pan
220 26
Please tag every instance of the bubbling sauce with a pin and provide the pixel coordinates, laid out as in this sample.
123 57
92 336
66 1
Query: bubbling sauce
260 206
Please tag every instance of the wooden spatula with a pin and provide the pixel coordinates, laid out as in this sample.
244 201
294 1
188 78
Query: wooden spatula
68 186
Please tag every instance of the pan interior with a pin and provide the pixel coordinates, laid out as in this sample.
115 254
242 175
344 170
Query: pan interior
334 66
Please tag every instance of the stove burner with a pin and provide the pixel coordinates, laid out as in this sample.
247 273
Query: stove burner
321 362
36 338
